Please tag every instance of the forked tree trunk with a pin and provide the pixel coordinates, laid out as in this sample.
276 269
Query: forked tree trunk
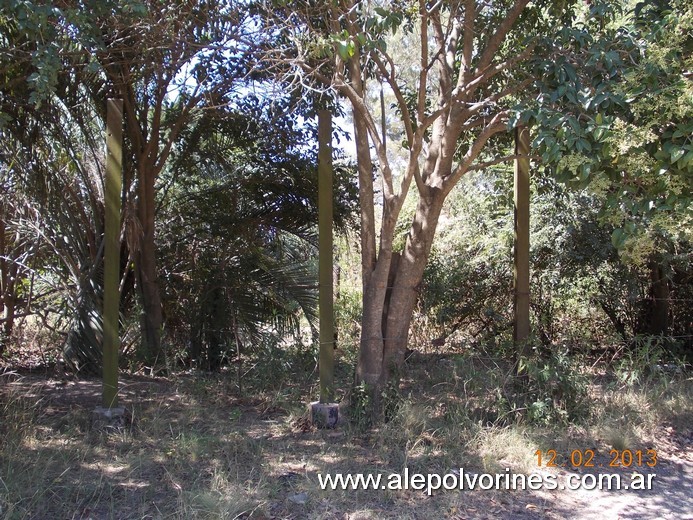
407 284
455 98
148 161
390 296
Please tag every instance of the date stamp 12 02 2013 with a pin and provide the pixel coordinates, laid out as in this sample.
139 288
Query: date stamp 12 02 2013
586 459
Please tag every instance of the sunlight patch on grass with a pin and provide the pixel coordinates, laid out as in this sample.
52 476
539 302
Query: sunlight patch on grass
506 448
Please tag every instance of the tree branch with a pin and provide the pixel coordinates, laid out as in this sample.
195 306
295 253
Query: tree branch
423 75
481 77
468 42
390 78
496 40
497 125
487 164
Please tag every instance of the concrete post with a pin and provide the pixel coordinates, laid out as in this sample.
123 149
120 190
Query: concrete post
111 297
521 301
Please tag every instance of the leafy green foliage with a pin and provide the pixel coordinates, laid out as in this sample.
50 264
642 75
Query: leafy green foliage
360 407
553 389
240 244
584 294
614 113
650 359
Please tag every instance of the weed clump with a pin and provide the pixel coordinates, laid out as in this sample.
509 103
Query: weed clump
553 390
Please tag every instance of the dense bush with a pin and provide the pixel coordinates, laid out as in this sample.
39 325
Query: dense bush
586 294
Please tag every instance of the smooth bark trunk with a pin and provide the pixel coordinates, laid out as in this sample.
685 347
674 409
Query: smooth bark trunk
407 284
8 317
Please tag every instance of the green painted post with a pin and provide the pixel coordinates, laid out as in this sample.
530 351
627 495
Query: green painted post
325 256
111 293
521 328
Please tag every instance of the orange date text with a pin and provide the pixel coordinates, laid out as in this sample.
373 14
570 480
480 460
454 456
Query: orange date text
588 458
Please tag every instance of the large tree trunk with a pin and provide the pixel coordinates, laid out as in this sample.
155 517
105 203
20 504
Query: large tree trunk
407 284
390 295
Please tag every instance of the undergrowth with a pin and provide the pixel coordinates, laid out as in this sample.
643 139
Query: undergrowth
197 447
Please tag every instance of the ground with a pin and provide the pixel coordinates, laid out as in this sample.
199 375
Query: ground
193 448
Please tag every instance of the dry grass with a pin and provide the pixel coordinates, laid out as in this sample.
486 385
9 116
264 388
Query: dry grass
194 449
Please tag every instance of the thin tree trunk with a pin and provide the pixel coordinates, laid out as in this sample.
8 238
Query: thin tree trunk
370 363
8 284
152 317
9 304
616 321
374 273
4 288
659 300
239 359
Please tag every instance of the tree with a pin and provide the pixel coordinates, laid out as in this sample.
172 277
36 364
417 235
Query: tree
55 219
51 155
466 73
614 116
166 61
234 162
238 229
62 63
